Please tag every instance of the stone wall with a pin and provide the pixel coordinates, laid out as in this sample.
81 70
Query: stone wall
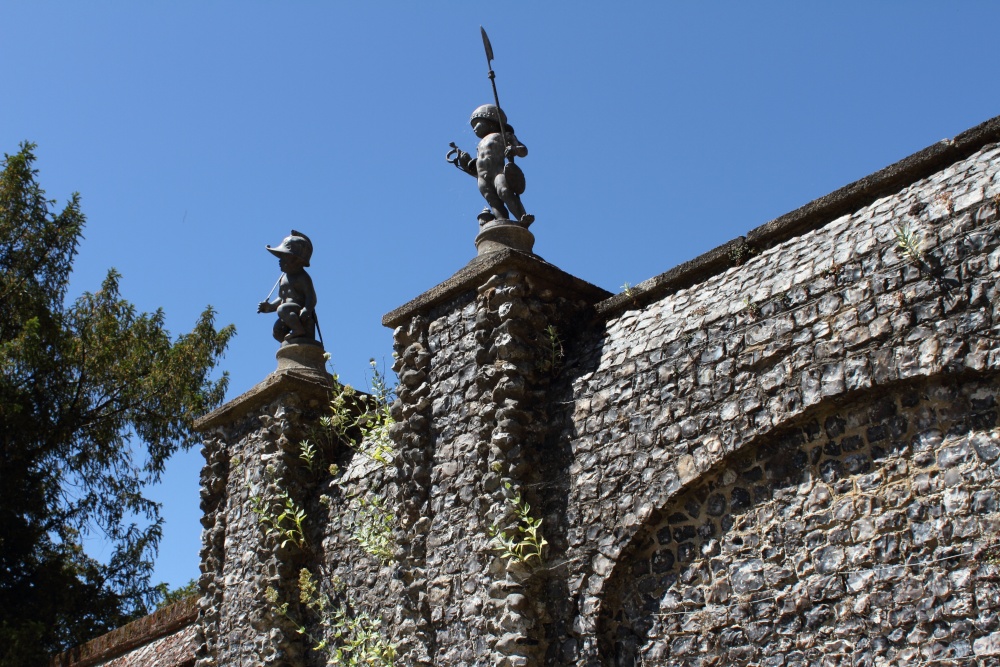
850 536
677 389
784 452
252 470
165 638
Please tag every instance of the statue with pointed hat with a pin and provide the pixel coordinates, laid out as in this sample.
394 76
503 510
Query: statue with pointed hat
296 302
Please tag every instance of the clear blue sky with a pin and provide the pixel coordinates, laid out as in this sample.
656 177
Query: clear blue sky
198 132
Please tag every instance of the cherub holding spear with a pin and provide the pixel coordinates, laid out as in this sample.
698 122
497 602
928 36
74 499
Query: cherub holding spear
500 184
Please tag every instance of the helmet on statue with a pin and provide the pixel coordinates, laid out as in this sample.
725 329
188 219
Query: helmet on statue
296 245
488 112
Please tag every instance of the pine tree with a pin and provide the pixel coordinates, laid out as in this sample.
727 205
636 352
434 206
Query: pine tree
94 398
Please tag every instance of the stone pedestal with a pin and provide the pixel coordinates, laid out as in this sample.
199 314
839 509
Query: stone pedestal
502 235
305 359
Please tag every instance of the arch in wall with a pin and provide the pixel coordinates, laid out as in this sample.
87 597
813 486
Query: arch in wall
857 529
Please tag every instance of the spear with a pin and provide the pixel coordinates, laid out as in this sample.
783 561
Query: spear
272 289
493 82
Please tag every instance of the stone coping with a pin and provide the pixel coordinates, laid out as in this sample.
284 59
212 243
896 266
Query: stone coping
139 632
277 383
475 272
813 215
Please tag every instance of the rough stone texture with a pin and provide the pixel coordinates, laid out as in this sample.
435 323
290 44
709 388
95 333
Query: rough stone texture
251 461
176 650
254 468
693 377
165 638
785 452
671 391
855 536
472 421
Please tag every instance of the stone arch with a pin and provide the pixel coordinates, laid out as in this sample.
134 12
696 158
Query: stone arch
826 536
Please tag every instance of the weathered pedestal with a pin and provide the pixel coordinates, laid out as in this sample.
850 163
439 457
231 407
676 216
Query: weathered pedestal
501 235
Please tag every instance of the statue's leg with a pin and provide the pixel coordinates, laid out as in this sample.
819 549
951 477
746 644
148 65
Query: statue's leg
279 331
289 314
511 199
493 199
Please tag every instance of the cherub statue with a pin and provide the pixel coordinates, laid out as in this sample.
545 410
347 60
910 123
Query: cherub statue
500 184
296 302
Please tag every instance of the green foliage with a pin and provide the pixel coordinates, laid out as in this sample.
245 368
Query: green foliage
740 254
362 421
94 398
909 242
281 517
372 525
355 638
172 595
308 454
556 352
523 542
991 554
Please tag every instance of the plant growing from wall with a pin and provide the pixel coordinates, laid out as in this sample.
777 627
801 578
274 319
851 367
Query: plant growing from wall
372 526
739 254
281 517
362 421
909 242
309 454
523 542
348 637
555 356
991 554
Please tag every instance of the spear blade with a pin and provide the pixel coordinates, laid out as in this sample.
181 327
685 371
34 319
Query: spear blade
487 45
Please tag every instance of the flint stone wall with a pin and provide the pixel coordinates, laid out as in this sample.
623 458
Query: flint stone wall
701 379
252 466
165 638
700 504
783 453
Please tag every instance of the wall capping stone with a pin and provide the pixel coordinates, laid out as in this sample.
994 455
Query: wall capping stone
813 215
160 623
277 383
476 272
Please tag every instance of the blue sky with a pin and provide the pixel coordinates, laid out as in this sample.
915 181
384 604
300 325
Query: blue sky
198 132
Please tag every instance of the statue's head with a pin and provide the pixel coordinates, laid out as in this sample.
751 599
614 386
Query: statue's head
487 112
295 245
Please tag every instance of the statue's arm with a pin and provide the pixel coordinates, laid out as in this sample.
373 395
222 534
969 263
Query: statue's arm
462 160
268 306
515 148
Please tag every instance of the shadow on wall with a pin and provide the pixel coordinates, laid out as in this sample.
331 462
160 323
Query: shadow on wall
861 530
